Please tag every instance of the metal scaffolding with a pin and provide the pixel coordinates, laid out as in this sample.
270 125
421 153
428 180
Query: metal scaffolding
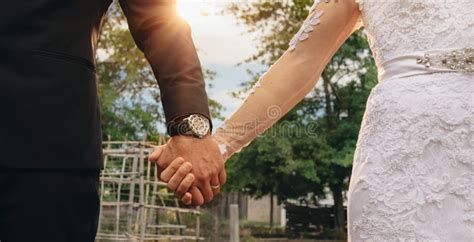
135 205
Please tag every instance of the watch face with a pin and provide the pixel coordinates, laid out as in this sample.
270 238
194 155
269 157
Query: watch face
199 125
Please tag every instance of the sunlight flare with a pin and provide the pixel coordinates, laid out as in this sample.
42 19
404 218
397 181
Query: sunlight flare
194 10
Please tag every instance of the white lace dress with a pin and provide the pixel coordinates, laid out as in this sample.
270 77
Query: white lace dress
413 171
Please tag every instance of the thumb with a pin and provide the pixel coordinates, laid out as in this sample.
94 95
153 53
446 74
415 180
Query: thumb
156 154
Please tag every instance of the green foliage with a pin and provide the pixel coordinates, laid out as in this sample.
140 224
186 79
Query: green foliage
277 21
249 238
264 160
128 90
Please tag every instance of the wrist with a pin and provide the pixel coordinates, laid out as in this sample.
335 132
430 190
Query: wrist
190 137
196 125
224 148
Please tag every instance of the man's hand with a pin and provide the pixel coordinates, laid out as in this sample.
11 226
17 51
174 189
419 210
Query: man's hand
207 164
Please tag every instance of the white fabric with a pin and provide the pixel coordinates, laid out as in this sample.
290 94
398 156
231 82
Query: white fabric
398 27
413 170
405 66
413 176
314 18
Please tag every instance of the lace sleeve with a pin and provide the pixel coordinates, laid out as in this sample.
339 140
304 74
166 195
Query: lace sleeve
292 77
360 3
360 21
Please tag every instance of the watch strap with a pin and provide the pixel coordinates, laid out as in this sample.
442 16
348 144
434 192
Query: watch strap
178 127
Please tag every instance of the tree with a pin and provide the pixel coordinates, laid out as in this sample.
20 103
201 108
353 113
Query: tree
314 161
128 90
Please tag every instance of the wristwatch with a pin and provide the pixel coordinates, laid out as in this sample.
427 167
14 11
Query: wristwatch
193 125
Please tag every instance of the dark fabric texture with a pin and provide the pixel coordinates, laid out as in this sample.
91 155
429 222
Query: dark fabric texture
54 205
49 110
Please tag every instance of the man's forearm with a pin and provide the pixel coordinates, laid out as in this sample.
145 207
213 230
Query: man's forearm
166 41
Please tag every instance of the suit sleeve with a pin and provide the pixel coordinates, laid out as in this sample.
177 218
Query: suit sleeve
292 77
166 41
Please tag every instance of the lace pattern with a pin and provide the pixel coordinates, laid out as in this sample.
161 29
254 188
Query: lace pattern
413 174
413 171
313 19
360 3
397 27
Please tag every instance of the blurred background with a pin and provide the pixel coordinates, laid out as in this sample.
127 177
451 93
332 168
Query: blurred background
290 183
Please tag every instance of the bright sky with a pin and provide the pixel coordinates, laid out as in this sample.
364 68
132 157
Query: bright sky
222 44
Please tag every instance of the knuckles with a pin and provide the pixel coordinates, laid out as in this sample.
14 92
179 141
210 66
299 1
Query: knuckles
182 172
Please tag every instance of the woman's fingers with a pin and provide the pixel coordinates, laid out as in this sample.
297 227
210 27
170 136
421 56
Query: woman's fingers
169 171
187 199
222 177
179 175
185 185
198 199
206 191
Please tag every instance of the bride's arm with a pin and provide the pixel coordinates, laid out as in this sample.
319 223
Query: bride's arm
293 76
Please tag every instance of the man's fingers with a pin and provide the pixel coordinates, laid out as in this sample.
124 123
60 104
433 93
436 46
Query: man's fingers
215 185
156 154
169 171
179 175
223 177
185 185
198 199
207 193
187 199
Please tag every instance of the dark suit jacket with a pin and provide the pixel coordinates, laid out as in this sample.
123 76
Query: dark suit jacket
48 87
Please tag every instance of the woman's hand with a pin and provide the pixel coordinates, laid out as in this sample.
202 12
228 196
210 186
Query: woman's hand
207 164
177 175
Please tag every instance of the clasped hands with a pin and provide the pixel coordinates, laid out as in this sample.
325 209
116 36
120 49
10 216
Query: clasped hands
193 168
